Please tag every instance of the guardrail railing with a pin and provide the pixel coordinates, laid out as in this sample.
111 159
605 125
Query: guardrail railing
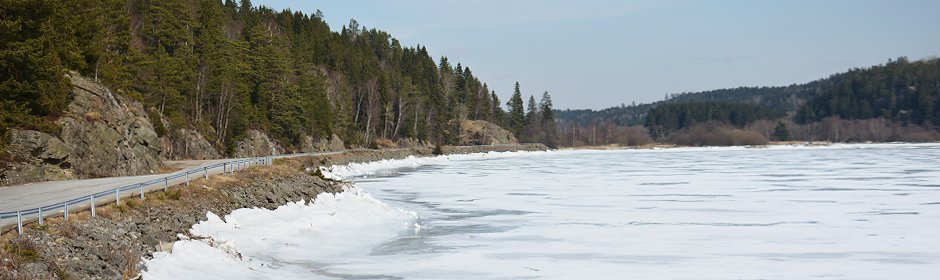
93 200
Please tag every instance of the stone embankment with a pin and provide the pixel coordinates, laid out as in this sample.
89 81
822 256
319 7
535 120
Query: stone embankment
111 245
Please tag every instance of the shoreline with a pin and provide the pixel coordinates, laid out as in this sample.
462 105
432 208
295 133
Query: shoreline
771 144
112 244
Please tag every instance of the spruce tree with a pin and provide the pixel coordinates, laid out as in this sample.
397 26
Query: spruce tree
533 124
781 133
516 114
548 121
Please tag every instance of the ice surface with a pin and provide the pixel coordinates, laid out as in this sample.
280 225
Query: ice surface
782 212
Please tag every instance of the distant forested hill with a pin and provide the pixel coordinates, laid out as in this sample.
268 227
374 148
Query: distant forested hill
223 68
900 90
899 93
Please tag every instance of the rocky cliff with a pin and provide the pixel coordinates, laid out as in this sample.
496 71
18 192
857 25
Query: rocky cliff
102 134
255 144
322 145
187 144
474 132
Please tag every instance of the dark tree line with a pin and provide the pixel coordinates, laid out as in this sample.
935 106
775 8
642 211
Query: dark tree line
222 68
896 101
900 90
667 118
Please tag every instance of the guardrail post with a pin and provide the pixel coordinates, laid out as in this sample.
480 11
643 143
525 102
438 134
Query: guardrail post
225 168
19 222
66 215
91 198
206 171
166 183
117 196
187 178
141 185
40 215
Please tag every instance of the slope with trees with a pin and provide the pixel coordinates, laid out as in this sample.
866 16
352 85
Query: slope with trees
224 68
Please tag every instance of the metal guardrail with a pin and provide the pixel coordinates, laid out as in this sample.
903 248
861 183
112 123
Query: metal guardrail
93 200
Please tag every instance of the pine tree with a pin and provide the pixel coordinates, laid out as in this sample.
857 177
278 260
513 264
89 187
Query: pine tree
31 57
533 123
497 112
516 119
548 121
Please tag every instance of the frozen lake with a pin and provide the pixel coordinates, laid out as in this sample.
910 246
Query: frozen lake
837 212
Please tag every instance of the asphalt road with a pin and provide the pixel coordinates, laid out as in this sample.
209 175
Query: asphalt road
35 195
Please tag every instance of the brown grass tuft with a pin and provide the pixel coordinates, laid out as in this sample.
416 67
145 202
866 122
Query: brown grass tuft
92 116
67 229
383 143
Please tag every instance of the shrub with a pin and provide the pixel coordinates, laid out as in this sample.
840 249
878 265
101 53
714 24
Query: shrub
717 135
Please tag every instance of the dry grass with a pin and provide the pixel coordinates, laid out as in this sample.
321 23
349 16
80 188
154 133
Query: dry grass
383 143
67 229
131 262
15 254
92 116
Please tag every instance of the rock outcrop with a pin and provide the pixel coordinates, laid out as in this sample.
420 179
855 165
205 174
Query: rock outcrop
108 135
475 132
322 145
256 144
37 157
186 144
102 134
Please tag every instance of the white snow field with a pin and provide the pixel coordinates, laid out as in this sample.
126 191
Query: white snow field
784 212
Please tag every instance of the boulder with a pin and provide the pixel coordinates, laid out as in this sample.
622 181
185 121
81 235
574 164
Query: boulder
477 132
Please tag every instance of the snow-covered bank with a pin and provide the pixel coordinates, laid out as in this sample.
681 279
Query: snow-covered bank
391 166
285 243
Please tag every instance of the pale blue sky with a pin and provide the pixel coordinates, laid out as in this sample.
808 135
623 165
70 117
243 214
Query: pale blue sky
601 53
